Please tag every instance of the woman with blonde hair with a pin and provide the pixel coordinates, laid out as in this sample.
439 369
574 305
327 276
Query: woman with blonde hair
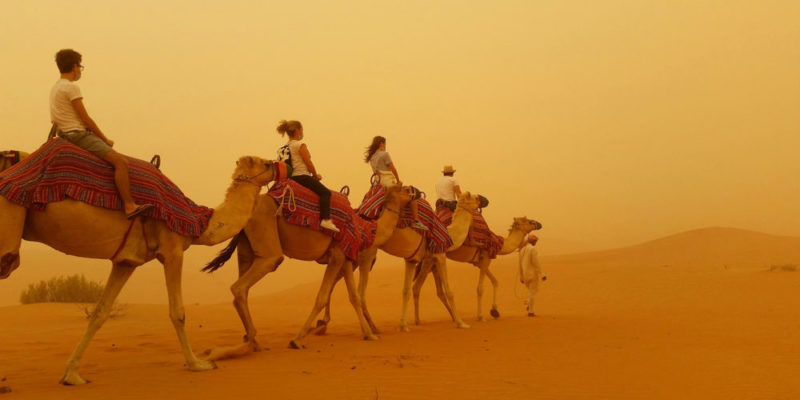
383 167
296 154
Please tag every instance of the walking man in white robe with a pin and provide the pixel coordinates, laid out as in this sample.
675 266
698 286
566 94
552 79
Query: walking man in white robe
530 272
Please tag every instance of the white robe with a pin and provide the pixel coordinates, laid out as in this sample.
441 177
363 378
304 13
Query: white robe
530 272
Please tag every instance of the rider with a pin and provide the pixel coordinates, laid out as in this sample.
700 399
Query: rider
382 165
70 117
447 189
296 153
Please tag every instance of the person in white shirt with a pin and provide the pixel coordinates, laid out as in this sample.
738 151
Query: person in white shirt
530 272
73 123
303 170
383 167
447 189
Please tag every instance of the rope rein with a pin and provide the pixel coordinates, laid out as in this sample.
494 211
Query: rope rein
292 203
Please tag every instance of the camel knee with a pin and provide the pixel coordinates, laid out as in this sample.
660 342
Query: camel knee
178 317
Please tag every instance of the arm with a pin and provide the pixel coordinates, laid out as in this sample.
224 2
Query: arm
306 156
88 121
457 190
396 176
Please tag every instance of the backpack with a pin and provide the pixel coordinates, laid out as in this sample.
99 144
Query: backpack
285 155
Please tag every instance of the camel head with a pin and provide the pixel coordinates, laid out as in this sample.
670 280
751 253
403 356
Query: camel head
525 225
469 201
255 170
8 263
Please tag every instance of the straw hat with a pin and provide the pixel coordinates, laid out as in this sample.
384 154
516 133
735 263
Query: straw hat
448 169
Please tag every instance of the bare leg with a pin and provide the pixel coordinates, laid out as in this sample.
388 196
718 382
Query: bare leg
119 275
173 266
121 179
409 275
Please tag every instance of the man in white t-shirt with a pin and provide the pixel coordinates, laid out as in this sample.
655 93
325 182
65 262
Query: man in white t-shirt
447 189
73 124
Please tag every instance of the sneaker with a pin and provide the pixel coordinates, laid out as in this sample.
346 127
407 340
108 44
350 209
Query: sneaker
328 224
419 225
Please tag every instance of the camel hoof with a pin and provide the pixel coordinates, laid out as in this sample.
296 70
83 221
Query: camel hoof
294 344
321 323
530 314
371 337
462 325
480 318
494 313
72 379
404 328
202 365
417 322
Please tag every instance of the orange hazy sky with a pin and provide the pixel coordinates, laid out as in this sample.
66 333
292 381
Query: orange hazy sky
610 122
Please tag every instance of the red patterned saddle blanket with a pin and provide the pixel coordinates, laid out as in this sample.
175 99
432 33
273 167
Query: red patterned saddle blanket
59 170
300 206
479 232
437 238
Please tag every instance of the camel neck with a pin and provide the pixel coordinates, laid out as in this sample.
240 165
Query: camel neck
231 216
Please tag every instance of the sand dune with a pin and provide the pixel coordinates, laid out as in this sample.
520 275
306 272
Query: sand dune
729 247
616 329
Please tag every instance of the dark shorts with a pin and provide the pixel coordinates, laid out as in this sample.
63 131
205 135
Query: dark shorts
87 141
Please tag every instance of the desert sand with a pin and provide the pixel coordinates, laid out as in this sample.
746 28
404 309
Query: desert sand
697 315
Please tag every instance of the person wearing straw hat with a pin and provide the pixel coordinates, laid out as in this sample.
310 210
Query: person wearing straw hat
447 189
529 269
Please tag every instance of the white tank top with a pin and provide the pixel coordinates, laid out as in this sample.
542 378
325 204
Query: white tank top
298 165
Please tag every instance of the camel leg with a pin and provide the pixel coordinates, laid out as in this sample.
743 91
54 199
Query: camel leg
240 289
481 276
419 281
366 260
355 300
493 312
440 292
119 275
13 217
322 324
441 271
409 275
173 268
331 271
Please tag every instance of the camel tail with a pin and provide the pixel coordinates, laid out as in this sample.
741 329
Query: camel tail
223 255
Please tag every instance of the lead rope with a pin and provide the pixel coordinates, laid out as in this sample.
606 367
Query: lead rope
292 205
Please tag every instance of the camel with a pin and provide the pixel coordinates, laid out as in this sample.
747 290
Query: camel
265 241
409 245
11 157
79 229
469 253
